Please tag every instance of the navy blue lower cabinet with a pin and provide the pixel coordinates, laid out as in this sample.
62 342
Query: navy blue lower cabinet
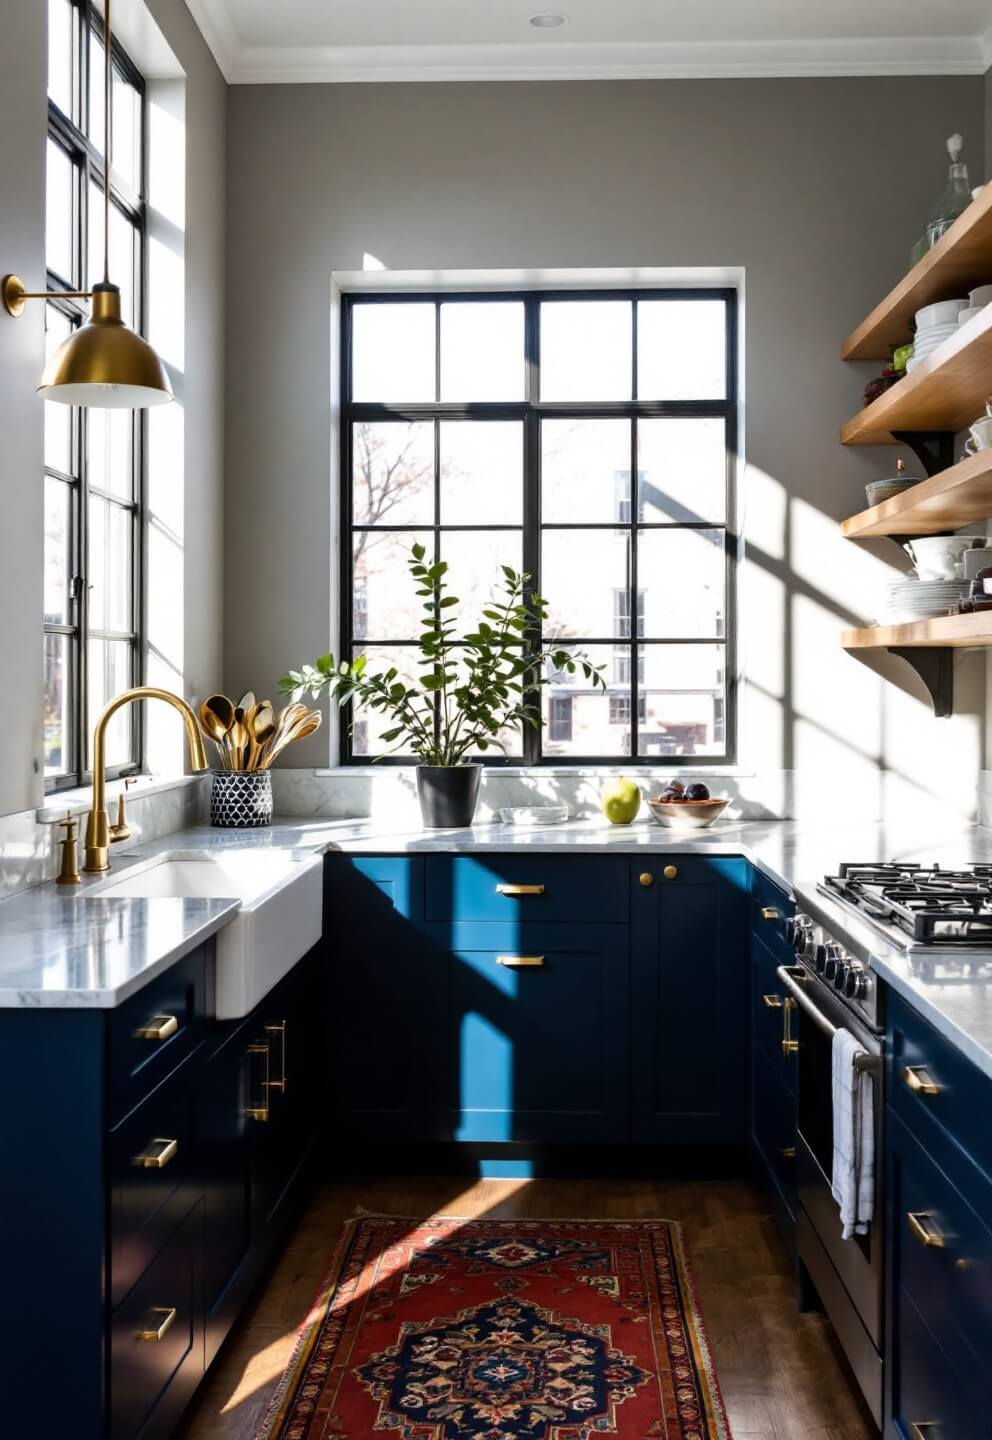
537 1031
689 999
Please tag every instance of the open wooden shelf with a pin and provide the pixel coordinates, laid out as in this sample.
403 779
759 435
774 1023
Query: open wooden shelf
944 632
947 501
947 392
959 261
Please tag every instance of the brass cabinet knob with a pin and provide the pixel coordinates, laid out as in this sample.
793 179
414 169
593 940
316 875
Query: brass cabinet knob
920 1081
671 872
157 1323
159 1027
768 912
646 879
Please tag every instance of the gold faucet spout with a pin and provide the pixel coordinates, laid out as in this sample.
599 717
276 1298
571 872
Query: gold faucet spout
98 824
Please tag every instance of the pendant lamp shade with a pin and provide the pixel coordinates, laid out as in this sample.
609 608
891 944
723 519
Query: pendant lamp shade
105 364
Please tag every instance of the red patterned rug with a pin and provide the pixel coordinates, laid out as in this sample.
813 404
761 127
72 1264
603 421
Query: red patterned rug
502 1330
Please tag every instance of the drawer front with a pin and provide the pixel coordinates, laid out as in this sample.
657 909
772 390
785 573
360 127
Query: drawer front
518 889
941 1249
958 1109
774 1128
928 1400
155 1031
152 1166
770 909
360 880
156 1340
768 1010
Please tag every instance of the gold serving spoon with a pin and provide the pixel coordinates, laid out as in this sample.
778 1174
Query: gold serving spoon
217 718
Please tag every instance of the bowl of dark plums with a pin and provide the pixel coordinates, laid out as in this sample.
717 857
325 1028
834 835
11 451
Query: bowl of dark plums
686 807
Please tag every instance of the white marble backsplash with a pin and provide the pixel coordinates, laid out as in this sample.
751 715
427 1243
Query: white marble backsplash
30 850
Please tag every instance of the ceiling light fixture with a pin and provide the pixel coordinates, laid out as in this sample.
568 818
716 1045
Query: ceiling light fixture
103 363
548 20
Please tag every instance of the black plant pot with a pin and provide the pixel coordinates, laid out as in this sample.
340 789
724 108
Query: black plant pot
448 795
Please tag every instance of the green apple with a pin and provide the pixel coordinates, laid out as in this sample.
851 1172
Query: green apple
621 801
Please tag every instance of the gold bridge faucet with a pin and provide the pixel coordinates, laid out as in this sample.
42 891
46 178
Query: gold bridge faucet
98 837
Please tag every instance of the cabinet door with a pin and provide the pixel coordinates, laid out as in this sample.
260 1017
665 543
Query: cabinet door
388 1005
538 1031
689 999
224 1147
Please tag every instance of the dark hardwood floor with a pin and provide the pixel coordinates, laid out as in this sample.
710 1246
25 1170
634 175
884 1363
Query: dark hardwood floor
779 1371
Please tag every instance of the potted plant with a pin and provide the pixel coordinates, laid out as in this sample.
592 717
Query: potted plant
455 710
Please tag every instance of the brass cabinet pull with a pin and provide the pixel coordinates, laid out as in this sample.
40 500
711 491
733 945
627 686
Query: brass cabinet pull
925 1430
920 1081
159 1027
261 1047
280 1030
922 1227
158 1154
671 872
789 1045
158 1322
520 962
768 912
647 880
773 1002
788 1152
513 890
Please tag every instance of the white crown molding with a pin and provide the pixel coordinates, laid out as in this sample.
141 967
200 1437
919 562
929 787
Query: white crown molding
544 59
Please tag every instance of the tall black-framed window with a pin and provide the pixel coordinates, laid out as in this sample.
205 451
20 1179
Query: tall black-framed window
94 470
586 437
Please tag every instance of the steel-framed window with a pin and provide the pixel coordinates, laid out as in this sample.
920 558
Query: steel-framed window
679 520
94 459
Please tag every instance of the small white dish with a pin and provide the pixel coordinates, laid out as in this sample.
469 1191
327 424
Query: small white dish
524 815
969 314
980 297
943 312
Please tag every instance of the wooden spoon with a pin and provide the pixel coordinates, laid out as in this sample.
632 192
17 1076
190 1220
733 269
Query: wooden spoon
217 717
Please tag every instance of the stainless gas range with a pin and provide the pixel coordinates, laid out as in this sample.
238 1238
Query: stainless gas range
941 922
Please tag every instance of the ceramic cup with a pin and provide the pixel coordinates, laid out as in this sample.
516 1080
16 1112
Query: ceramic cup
940 557
979 436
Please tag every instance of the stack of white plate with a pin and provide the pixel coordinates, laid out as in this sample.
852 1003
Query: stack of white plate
913 599
934 324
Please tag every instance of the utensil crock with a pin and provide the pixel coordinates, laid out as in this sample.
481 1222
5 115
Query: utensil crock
240 799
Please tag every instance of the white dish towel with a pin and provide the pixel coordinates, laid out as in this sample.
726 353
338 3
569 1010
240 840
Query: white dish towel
853 1180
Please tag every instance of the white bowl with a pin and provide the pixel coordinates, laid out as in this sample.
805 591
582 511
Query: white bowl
533 814
980 297
943 312
969 314
687 814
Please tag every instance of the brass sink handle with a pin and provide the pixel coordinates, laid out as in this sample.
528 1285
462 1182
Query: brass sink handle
121 830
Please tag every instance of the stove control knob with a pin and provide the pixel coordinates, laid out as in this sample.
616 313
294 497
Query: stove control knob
841 974
801 931
832 956
820 958
790 933
856 985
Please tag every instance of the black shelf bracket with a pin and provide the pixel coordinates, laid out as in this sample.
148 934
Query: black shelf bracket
933 448
935 667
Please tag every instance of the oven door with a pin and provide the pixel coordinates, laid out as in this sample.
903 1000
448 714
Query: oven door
858 1261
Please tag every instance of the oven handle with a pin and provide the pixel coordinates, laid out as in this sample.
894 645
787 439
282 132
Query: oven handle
787 974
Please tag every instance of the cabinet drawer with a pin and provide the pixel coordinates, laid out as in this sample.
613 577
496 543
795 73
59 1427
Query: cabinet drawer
942 1250
356 880
153 1033
774 1127
522 888
770 909
152 1166
958 1110
768 1010
156 1340
928 1400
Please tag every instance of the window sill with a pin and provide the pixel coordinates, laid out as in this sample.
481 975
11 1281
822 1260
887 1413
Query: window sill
78 802
532 772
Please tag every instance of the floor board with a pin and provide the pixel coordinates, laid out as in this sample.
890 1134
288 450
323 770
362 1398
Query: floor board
779 1371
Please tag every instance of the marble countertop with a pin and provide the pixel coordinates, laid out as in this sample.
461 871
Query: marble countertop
86 950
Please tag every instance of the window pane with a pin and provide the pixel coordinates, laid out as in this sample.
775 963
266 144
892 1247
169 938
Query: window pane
585 471
56 717
58 499
94 126
482 472
111 531
682 575
386 602
61 27
588 722
474 558
582 572
482 350
586 350
686 700
681 349
393 352
393 473
110 452
110 673
126 147
682 466
123 252
369 725
509 738
58 418
60 200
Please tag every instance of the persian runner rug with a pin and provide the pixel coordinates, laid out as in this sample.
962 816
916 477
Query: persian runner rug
502 1330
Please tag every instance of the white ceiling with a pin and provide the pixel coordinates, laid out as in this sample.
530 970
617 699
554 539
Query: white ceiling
261 41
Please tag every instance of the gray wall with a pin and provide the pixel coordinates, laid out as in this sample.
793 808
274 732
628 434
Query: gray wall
809 184
23 112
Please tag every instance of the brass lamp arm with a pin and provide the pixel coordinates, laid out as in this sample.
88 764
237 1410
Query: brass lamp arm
14 295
